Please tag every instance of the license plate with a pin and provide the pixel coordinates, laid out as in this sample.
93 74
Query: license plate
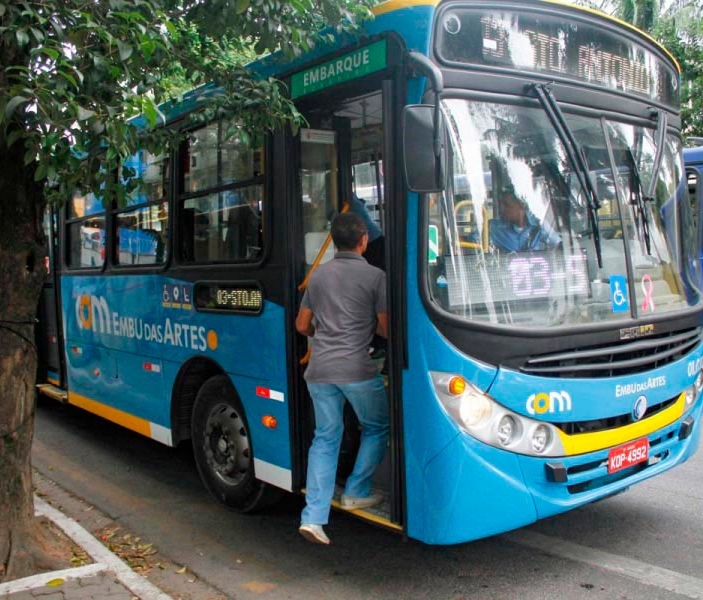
627 455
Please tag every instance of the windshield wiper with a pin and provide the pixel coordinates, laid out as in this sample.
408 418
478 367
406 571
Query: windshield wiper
638 199
576 156
662 123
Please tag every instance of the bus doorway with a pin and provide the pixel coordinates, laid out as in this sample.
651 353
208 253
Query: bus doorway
341 169
51 369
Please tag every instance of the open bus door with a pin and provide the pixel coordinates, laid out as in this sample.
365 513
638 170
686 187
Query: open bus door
51 373
340 154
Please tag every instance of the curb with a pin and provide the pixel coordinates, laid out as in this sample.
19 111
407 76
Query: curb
104 561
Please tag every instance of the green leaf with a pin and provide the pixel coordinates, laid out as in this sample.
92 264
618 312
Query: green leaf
13 136
13 104
68 77
84 113
125 50
38 35
39 174
150 113
52 53
241 6
22 37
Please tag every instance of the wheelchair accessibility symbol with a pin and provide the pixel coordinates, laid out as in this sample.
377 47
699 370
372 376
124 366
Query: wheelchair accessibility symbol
618 293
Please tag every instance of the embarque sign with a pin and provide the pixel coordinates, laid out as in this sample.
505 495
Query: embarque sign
352 65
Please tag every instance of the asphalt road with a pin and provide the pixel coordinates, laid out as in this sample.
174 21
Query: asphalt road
646 543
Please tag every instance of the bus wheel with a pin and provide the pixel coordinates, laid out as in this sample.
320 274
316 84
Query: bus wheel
222 448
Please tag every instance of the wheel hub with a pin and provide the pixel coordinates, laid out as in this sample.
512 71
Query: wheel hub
226 444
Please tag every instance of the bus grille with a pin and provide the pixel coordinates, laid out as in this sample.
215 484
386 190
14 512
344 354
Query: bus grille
622 358
577 427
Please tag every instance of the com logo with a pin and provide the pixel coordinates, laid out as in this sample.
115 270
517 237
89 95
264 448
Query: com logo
551 402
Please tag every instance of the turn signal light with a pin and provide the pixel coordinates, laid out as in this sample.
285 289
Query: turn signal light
269 421
457 386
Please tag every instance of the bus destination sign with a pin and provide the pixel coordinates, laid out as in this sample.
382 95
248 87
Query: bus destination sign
362 61
552 44
238 297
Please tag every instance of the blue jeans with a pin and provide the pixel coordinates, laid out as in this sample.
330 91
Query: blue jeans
368 399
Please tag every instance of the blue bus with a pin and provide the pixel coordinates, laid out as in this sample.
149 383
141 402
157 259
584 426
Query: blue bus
522 382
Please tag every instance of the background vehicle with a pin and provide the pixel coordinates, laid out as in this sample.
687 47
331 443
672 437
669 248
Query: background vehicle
521 384
693 158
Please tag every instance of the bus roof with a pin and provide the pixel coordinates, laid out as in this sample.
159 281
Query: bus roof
407 15
389 15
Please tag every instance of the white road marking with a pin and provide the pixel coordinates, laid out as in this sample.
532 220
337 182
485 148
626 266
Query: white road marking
643 572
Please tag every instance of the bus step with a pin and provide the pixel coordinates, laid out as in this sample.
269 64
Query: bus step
53 392
376 514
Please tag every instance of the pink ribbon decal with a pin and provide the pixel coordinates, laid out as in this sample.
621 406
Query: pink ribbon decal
648 289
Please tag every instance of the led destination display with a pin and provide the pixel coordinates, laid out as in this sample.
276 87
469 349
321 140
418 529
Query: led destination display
517 276
244 297
552 44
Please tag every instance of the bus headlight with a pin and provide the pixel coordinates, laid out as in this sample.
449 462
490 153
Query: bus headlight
465 403
507 430
474 409
691 393
699 382
478 415
540 438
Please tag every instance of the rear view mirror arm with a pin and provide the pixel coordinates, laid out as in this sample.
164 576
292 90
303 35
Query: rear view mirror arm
427 68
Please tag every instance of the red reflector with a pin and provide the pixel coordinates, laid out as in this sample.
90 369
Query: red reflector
263 392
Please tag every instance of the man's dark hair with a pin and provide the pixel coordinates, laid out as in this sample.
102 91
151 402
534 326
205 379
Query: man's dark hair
347 231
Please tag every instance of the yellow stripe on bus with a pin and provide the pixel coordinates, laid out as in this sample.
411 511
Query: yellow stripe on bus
391 5
598 440
111 414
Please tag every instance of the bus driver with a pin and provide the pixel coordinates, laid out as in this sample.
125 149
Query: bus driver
517 229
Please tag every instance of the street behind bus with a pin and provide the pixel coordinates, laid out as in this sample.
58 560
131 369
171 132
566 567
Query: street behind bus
645 543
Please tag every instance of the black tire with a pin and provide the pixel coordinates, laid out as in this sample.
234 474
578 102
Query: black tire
222 448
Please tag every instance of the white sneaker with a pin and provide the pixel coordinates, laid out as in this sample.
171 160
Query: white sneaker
314 533
352 503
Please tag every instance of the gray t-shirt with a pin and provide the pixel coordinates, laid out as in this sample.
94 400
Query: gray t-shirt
344 295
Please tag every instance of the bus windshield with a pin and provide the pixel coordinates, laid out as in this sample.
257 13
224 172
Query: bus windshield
511 241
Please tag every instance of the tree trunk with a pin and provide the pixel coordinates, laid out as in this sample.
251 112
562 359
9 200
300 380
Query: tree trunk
22 273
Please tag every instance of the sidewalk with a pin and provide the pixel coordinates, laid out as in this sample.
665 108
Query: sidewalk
107 578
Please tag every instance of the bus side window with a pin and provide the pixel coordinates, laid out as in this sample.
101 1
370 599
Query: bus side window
222 184
201 237
140 227
85 230
187 228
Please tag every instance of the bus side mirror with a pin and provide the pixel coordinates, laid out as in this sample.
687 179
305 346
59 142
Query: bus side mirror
424 170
